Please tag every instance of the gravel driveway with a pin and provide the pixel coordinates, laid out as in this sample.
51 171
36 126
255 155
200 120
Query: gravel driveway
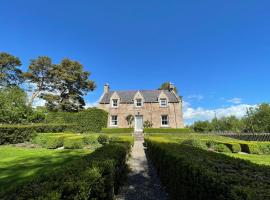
142 183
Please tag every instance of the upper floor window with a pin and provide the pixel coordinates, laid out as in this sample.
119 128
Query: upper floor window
138 103
114 120
164 120
115 103
163 103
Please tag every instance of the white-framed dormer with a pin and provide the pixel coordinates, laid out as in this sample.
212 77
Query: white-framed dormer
163 100
138 100
115 100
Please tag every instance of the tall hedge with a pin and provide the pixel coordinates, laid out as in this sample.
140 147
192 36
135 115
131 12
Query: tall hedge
91 119
167 130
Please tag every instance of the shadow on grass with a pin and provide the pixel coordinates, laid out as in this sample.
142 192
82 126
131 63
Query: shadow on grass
27 169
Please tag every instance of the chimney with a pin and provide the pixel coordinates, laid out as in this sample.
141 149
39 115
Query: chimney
106 88
171 86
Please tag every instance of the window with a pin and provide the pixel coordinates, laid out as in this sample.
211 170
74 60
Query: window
115 103
164 120
163 102
138 102
114 120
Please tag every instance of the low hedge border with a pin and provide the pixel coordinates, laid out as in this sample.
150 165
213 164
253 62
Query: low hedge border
12 134
95 176
117 130
193 173
167 130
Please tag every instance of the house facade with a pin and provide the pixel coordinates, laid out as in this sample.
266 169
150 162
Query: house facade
162 108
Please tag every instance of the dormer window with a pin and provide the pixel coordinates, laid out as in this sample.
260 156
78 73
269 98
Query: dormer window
114 103
163 102
138 103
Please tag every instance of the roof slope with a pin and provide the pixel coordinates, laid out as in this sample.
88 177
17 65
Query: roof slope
150 96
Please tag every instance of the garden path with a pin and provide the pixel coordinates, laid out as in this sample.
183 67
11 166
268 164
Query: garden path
142 182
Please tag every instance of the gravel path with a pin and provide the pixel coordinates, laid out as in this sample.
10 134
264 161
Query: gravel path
142 183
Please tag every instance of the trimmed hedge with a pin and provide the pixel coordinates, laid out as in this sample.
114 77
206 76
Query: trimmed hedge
255 147
193 173
117 130
167 130
12 134
94 176
73 143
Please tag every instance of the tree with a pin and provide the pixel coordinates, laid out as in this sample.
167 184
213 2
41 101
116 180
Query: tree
10 74
147 124
166 86
202 126
13 106
130 120
68 85
39 74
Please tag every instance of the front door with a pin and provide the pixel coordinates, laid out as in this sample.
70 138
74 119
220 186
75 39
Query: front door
138 123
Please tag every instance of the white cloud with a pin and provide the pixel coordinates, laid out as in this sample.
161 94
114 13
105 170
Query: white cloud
235 100
194 114
91 104
197 97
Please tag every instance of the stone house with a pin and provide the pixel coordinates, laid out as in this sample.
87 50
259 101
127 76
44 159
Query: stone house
163 108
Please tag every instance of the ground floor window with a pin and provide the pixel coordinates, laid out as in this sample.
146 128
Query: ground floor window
164 120
114 120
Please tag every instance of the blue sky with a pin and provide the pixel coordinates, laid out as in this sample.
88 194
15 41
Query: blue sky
215 52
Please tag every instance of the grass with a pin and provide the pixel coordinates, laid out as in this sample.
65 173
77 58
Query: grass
19 165
257 159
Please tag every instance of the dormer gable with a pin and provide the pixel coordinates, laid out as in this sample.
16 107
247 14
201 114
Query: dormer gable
163 99
115 100
138 99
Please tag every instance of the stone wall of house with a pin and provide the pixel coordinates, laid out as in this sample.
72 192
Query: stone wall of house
149 111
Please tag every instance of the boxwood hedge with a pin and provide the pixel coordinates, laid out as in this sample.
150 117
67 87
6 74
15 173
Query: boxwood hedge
189 172
94 176
167 130
117 130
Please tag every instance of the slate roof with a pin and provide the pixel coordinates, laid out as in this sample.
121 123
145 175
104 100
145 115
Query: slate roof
150 96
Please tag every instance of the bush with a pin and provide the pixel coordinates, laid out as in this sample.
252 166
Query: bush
193 173
103 139
234 147
90 139
73 142
195 143
256 147
167 130
12 134
49 140
222 148
117 130
95 176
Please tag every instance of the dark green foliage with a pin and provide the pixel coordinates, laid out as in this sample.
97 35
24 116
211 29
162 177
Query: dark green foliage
195 143
103 139
256 148
167 130
12 134
10 74
166 86
95 176
147 124
219 147
89 120
117 130
202 126
193 173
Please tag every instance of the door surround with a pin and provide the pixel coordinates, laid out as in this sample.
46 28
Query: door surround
138 123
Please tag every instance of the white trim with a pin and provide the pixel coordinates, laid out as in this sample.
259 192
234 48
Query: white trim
168 120
163 106
113 125
117 103
138 130
136 103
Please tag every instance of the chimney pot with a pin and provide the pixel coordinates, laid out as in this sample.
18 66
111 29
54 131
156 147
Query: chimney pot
106 88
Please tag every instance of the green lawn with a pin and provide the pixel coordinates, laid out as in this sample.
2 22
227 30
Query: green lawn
19 165
257 159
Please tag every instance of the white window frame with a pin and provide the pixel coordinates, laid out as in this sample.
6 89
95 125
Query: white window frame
166 102
136 102
161 120
114 120
117 103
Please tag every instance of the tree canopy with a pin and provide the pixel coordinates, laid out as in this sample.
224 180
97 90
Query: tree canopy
10 74
166 86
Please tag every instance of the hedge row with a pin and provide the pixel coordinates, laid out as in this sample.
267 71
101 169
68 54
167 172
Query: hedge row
193 173
95 176
117 130
12 134
91 119
167 130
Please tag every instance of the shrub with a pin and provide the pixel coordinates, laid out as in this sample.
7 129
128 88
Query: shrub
117 130
167 130
94 176
193 173
73 142
103 139
49 140
222 148
147 124
255 147
234 147
90 139
12 134
195 143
